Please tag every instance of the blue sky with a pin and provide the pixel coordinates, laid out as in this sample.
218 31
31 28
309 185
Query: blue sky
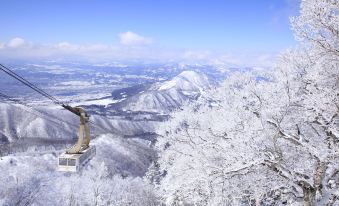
232 26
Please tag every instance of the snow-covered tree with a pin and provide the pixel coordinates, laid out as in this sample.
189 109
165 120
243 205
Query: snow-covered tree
112 177
317 26
263 138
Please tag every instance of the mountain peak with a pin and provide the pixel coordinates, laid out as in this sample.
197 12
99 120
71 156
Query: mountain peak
186 80
168 95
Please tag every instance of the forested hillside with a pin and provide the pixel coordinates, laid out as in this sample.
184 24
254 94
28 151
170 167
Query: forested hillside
262 138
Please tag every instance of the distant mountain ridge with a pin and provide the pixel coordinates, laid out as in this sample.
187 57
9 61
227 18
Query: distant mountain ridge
19 121
166 96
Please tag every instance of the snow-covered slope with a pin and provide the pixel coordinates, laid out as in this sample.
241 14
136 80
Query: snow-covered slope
165 96
31 178
19 121
189 81
49 125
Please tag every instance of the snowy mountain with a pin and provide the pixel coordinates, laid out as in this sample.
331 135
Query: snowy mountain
20 121
136 115
50 125
166 96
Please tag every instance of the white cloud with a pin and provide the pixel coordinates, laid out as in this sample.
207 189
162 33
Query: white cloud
66 46
131 38
250 59
16 43
22 49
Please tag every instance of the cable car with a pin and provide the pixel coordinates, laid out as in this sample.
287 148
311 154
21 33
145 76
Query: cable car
75 162
79 154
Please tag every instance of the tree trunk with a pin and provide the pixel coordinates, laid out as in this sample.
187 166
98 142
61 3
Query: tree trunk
309 196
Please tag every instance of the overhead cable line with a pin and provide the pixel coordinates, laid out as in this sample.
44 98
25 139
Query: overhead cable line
47 116
45 94
29 84
38 113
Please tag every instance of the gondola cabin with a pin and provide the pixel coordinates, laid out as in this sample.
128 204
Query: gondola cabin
74 162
